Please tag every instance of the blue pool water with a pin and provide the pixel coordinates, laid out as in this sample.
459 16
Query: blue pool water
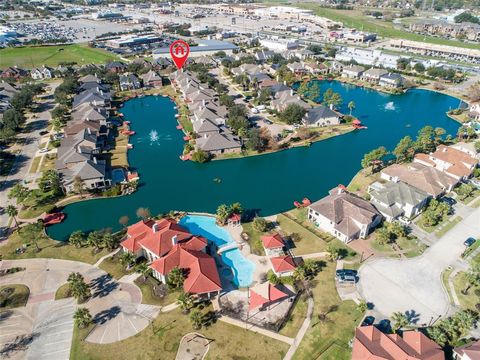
205 226
118 176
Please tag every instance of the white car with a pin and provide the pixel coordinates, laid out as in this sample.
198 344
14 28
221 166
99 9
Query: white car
44 150
404 220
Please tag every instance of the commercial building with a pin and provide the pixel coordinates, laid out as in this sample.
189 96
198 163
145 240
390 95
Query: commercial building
133 40
204 47
279 44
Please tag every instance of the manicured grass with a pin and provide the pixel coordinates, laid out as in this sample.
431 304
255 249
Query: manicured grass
34 166
49 249
34 211
474 195
13 296
254 239
48 162
112 266
34 56
63 292
445 275
161 341
328 339
410 246
471 249
447 227
355 19
148 296
361 181
119 152
298 315
469 300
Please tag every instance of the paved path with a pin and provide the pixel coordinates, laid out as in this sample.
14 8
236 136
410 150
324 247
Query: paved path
414 285
115 306
301 333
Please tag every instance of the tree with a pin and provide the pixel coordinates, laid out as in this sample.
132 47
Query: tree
185 300
175 278
196 319
362 306
439 132
399 321
12 212
477 146
12 119
351 106
383 235
419 68
310 90
95 239
200 156
236 208
226 100
374 158
20 193
143 269
293 114
255 141
33 232
123 220
223 213
78 185
464 191
425 141
78 287
260 224
109 241
50 182
77 238
273 278
127 259
333 252
472 278
435 212
332 98
143 213
82 317
405 150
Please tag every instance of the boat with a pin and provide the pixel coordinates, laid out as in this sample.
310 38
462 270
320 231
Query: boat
217 180
357 124
306 202
53 218
179 127
177 115
133 176
187 138
186 157
297 204
129 146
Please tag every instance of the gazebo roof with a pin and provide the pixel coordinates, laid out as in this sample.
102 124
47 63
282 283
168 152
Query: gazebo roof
235 217
263 294
272 241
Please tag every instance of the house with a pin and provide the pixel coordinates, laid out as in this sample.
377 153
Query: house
428 179
467 352
264 55
392 81
297 68
116 67
371 343
353 71
474 111
283 265
92 173
467 148
395 199
285 98
167 245
41 73
273 244
129 82
94 97
373 75
152 80
344 215
320 116
451 161
13 73
219 143
316 69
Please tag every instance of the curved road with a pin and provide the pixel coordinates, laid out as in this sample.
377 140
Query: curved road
414 286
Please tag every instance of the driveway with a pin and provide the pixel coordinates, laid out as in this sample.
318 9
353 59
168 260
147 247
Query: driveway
45 326
414 286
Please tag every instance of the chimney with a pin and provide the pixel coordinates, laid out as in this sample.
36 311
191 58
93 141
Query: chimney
94 160
285 82
291 92
155 227
331 106
174 240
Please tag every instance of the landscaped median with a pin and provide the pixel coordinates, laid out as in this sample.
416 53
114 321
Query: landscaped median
13 296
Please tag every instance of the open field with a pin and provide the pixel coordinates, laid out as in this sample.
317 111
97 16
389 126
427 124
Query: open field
33 56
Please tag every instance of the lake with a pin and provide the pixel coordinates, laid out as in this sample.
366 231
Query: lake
267 183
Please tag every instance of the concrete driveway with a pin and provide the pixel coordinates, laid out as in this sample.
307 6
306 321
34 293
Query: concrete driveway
45 326
414 286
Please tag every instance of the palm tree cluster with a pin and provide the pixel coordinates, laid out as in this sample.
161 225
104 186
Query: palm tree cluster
175 278
79 289
399 321
449 331
82 317
186 302
307 270
96 239
127 259
225 211
12 212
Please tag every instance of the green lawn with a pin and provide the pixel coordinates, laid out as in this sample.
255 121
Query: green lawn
445 275
33 56
161 341
48 249
13 296
63 292
328 339
298 315
148 296
410 245
448 226
254 239
469 300
112 266
34 166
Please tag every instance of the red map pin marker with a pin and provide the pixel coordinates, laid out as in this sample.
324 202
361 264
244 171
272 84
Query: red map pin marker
179 51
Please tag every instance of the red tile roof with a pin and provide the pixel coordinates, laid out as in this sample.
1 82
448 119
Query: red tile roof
371 344
263 294
202 275
135 233
272 241
283 263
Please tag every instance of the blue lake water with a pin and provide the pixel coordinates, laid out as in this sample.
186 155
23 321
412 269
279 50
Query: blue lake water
268 183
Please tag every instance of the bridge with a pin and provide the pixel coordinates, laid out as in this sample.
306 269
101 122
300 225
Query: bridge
227 247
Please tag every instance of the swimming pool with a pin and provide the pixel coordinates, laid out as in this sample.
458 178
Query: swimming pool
241 267
118 176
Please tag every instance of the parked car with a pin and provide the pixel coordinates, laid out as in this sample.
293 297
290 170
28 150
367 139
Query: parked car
404 220
449 200
44 150
367 321
346 279
469 242
43 132
348 272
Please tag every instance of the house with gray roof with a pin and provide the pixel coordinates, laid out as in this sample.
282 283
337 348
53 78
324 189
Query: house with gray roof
392 81
320 116
344 215
92 173
264 55
373 75
353 71
94 97
129 82
219 143
152 80
395 199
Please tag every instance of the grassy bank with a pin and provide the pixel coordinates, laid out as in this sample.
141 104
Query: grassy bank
13 296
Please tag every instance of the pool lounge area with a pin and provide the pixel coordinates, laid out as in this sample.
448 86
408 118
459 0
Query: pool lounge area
237 269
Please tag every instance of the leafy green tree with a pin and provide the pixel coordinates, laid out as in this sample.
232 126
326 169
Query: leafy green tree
255 141
264 96
425 141
175 278
109 241
200 156
273 278
405 150
472 278
333 252
260 224
374 158
383 236
19 192
226 100
223 212
351 106
12 119
77 239
293 114
362 306
399 321
435 212
12 212
82 317
332 98
33 233
50 181
419 68
439 132
464 191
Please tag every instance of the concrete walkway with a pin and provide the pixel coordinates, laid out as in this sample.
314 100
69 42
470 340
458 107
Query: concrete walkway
303 330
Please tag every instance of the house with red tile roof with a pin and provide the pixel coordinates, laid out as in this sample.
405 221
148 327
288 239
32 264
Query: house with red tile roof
283 265
166 245
272 241
449 160
467 352
371 344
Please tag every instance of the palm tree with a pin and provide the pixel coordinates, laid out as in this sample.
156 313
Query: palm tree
75 277
82 317
472 278
185 300
77 238
362 306
78 287
109 241
223 212
196 318
95 239
127 258
399 321
176 277
333 253
143 269
351 106
12 212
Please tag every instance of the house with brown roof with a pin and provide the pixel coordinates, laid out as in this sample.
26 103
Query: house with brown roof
449 160
167 245
427 179
344 215
371 344
467 352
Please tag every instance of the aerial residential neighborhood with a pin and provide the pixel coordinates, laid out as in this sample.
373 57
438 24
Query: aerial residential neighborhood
239 180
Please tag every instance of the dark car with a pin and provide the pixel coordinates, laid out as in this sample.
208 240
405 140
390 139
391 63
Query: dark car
449 200
43 132
369 320
469 242
346 272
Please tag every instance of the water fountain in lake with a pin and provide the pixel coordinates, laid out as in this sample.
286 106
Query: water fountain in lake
390 106
153 137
